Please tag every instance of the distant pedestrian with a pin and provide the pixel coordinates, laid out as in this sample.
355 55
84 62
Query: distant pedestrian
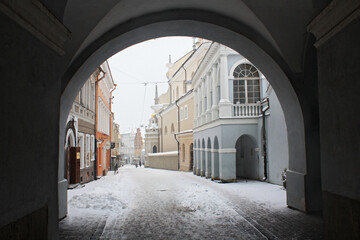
140 163
136 164
116 169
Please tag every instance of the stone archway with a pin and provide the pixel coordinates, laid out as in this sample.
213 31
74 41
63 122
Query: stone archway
260 50
247 159
215 167
208 159
203 158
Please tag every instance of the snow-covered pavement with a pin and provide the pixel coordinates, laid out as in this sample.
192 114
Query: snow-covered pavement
143 203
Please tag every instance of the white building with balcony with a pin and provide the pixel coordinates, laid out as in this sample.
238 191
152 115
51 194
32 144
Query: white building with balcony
228 125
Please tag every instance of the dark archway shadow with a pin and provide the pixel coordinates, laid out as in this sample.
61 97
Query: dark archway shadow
247 159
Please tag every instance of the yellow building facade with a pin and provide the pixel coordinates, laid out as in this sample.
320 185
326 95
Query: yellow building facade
174 113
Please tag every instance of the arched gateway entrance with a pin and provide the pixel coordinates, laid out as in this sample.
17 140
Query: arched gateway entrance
255 43
247 159
49 48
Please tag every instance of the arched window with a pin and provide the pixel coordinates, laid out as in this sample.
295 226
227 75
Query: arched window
246 84
165 129
183 152
172 128
154 149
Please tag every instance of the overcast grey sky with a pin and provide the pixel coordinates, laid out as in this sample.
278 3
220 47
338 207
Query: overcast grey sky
143 62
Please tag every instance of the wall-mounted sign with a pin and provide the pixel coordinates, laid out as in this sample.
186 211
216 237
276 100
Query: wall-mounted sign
108 145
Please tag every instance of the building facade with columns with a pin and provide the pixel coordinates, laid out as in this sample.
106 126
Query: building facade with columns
230 139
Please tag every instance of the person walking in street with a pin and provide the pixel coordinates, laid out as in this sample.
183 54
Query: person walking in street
140 163
116 169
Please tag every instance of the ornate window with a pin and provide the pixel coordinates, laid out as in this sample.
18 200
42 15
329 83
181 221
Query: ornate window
246 84
154 149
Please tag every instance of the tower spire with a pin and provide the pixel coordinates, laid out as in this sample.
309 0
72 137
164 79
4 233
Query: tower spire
156 95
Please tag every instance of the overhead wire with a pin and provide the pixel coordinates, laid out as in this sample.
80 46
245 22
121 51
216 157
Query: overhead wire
143 105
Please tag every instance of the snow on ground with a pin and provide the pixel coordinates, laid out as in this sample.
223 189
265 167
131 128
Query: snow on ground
143 203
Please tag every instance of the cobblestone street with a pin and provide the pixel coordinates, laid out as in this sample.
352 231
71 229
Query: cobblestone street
140 203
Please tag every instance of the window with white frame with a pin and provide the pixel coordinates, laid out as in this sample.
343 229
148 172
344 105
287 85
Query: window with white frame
186 111
82 146
87 148
246 83
92 146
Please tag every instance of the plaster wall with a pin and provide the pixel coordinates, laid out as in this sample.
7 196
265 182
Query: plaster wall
277 143
30 105
185 141
187 123
339 83
164 161
168 119
41 77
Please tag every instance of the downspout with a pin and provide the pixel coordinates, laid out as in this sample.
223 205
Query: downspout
161 135
178 143
263 111
96 97
158 136
111 97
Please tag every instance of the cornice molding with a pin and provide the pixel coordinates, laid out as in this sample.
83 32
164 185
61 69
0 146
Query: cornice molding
335 17
39 21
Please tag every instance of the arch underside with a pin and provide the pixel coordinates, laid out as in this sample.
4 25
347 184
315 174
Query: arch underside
242 39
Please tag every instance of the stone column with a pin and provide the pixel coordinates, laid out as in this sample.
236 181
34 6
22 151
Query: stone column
215 106
198 165
196 111
199 105
195 159
208 84
225 104
203 88
227 171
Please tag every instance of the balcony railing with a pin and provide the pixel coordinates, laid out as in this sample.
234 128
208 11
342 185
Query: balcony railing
246 110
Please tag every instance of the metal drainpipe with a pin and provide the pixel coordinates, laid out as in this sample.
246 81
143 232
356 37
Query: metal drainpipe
161 135
263 111
96 96
178 143
110 100
158 136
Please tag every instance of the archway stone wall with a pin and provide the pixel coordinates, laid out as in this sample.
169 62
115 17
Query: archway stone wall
48 82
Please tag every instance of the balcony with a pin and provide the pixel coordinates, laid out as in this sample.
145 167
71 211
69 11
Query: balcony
246 109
